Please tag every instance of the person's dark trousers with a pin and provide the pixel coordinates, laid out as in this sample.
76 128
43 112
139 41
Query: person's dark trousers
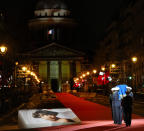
127 115
127 109
123 112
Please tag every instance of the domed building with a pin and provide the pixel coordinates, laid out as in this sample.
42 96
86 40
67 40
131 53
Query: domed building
52 22
52 33
51 4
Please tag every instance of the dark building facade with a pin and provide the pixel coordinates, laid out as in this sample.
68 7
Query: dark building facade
123 40
52 34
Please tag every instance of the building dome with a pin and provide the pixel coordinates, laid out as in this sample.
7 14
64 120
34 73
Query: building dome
52 21
51 4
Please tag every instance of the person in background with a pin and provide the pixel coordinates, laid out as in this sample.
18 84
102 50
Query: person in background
116 106
127 107
71 82
40 87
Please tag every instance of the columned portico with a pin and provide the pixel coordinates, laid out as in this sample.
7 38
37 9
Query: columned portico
43 70
48 73
60 75
57 64
58 71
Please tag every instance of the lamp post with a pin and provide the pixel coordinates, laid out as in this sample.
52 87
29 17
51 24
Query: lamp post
15 73
112 69
24 69
134 60
3 50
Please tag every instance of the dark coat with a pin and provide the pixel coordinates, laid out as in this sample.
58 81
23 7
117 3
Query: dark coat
116 108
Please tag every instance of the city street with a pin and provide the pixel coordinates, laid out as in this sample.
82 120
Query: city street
61 62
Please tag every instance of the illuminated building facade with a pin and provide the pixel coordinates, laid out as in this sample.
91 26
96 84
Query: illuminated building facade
52 34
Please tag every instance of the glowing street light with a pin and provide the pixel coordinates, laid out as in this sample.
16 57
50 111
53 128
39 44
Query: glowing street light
24 68
134 59
77 79
88 73
94 71
16 63
3 50
28 71
83 75
113 65
32 73
103 68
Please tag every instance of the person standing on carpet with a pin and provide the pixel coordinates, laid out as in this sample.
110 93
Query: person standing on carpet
116 106
127 106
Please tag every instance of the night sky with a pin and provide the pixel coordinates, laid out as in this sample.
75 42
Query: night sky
93 16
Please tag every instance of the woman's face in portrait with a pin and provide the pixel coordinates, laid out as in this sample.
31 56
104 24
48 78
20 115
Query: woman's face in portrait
48 117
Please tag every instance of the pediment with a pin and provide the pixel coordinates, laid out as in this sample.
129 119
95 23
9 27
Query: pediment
56 50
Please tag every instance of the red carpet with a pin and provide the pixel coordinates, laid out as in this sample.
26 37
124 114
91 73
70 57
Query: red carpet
86 110
94 117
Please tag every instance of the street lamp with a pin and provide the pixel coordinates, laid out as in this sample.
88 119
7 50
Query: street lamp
103 68
134 60
15 73
88 73
94 71
113 65
24 68
83 75
3 50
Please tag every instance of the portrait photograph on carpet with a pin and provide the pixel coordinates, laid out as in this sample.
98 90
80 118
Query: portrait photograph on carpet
36 118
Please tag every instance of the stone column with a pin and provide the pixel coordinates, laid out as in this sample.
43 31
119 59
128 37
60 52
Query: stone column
71 72
60 75
72 69
48 74
78 67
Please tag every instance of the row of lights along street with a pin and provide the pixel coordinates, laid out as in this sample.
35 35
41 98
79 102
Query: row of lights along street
3 51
